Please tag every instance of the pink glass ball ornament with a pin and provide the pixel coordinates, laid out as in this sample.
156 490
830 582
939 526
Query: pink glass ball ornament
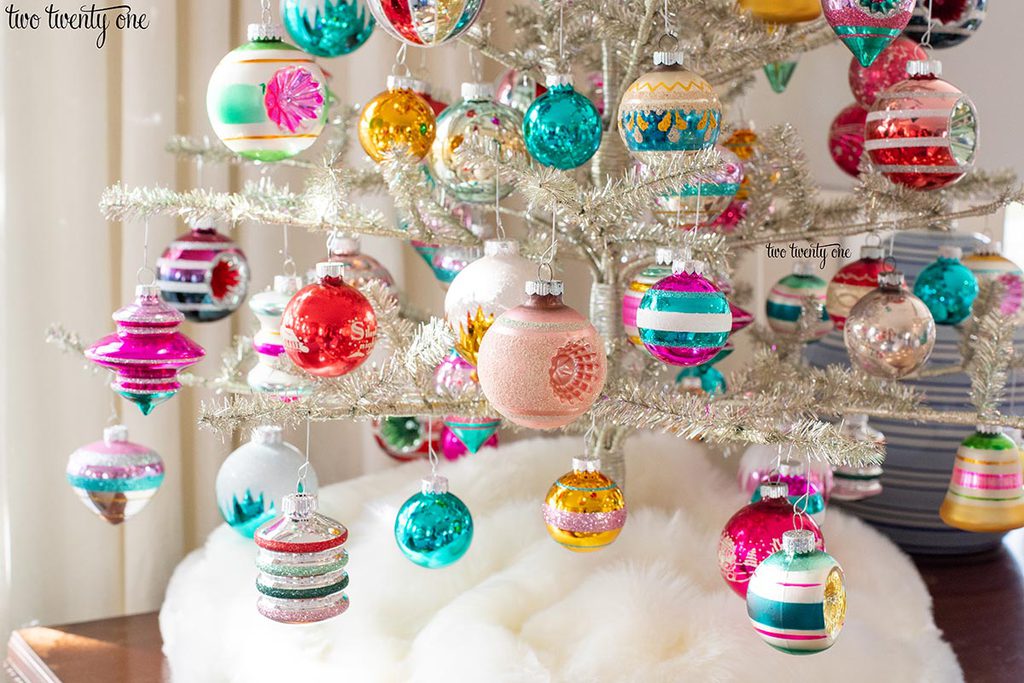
542 364
846 139
455 377
147 351
889 69
761 461
360 268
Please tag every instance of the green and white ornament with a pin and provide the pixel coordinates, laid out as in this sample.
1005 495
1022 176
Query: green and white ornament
786 302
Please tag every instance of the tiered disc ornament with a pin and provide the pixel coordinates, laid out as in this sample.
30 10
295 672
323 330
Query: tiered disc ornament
147 351
669 109
796 599
985 491
434 528
115 478
397 117
988 264
852 283
785 304
425 23
267 100
203 274
301 562
953 21
275 373
947 287
636 289
704 200
584 510
922 132
542 364
867 27
327 28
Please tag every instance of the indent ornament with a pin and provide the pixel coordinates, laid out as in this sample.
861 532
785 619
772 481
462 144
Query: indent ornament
584 510
989 264
952 21
203 274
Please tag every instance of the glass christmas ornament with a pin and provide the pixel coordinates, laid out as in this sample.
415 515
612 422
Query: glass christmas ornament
785 304
684 319
741 318
274 373
434 528
147 351
852 283
407 438
947 287
562 128
448 261
760 462
922 132
805 495
755 532
889 333
889 69
796 599
267 100
327 28
485 125
783 11
846 138
301 562
584 510
252 480
988 264
743 143
360 268
542 364
482 291
985 492
473 432
867 27
397 117
857 482
517 90
203 274
424 90
115 478
329 327
704 200
952 21
636 289
779 74
703 380
425 23
455 377
452 447
669 109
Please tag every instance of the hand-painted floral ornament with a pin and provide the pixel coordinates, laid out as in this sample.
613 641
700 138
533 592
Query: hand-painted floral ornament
636 289
985 493
785 305
952 21
562 128
867 26
474 432
275 373
203 274
922 132
434 528
407 438
857 482
669 109
252 480
267 100
425 23
796 599
947 287
397 117
846 139
584 510
889 69
327 28
853 281
115 478
147 351
989 264
542 364
705 199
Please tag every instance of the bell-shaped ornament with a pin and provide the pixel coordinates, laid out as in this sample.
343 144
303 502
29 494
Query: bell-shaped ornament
985 493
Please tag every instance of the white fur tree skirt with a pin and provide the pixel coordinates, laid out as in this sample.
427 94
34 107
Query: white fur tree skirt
518 608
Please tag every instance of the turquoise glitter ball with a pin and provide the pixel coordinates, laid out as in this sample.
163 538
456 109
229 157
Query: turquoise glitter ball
562 128
434 528
947 287
327 28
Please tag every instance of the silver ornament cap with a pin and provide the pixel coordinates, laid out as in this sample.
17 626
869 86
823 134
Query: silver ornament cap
268 434
115 434
798 542
263 33
890 279
872 251
988 429
434 485
545 287
669 58
287 284
774 489
803 268
664 256
299 505
344 244
558 79
477 91
924 67
586 465
146 291
688 266
950 251
395 82
330 269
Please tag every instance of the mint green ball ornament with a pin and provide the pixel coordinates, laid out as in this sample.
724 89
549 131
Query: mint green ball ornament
434 528
947 287
562 128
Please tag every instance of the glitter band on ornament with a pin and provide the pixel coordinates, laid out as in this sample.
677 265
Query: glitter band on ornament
584 522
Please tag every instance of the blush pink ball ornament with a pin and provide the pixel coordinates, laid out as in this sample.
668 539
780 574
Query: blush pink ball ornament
542 364
889 69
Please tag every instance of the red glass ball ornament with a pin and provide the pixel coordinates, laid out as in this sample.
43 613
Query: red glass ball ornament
755 532
328 327
846 138
922 132
889 69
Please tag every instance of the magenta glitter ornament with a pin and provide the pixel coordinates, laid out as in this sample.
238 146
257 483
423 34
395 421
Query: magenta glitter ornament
846 138
542 364
452 447
867 27
755 532
889 69
147 351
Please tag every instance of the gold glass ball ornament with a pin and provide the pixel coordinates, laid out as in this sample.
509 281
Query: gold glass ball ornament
783 11
584 510
397 117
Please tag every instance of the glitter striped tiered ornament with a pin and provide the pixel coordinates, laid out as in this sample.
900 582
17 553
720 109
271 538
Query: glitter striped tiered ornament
684 319
985 492
301 562
274 372
867 27
638 287
147 351
115 478
922 132
584 510
988 264
852 283
203 274
796 599
785 304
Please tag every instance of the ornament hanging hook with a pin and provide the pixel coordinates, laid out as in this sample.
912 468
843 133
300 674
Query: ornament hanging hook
476 68
926 38
145 270
288 263
400 68
548 257
431 454
300 485
266 17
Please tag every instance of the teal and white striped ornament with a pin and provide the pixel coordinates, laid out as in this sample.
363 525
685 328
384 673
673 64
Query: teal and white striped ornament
785 305
796 599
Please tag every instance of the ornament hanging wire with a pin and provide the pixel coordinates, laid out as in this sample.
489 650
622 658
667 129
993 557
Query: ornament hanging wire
146 269
266 17
300 485
288 263
926 39
400 63
548 257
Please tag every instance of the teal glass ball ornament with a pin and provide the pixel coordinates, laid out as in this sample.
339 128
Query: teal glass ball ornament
434 528
947 287
562 128
327 28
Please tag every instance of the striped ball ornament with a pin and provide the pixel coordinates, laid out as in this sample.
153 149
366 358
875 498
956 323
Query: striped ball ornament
988 264
852 283
636 289
796 599
785 305
985 492
203 274
584 510
684 319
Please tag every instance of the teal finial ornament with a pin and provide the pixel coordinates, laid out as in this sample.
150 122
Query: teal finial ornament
779 74
327 28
